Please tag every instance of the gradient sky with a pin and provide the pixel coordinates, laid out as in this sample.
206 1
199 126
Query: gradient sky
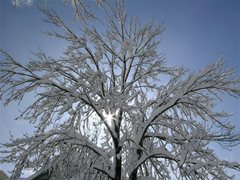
197 33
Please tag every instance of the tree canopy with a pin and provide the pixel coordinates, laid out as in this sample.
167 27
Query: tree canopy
110 107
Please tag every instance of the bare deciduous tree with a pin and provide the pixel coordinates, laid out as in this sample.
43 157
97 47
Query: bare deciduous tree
110 108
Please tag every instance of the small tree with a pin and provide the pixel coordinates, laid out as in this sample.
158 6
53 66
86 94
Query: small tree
103 111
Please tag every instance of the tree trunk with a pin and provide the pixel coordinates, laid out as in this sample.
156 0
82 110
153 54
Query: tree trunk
118 160
118 168
118 157
133 175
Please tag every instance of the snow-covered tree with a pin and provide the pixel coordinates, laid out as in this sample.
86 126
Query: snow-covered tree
110 108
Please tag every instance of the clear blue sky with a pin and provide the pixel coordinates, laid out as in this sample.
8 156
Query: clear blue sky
197 33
